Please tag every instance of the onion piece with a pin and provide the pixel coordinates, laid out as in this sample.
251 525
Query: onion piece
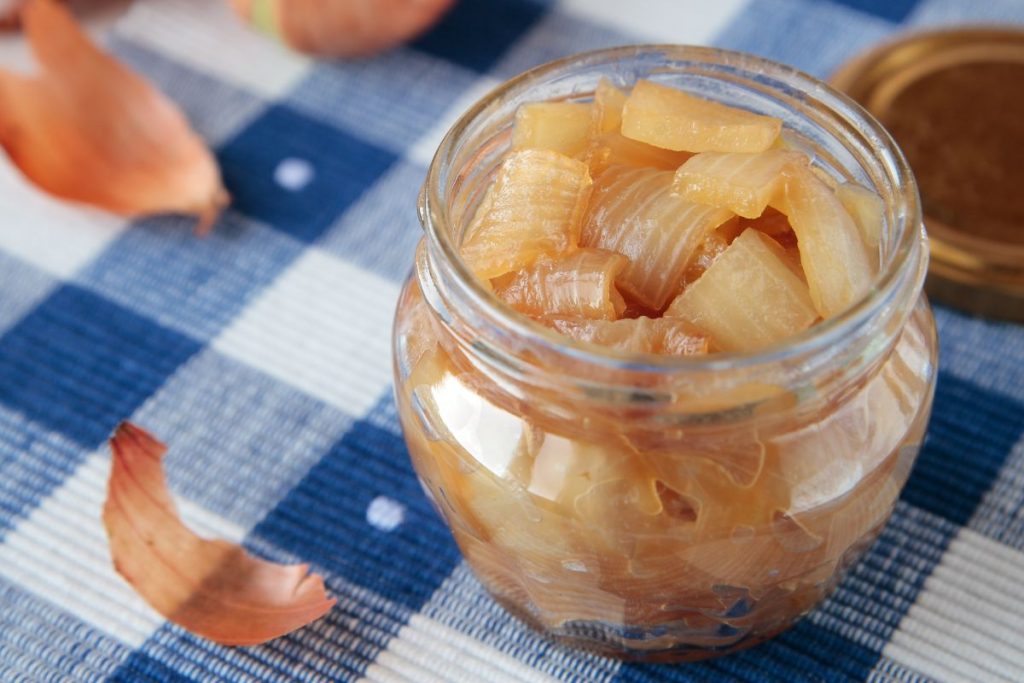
211 588
89 129
341 28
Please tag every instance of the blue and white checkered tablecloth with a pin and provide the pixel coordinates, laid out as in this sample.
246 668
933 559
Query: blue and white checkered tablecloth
261 355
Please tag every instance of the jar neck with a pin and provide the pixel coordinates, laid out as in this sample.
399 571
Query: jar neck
522 358
523 364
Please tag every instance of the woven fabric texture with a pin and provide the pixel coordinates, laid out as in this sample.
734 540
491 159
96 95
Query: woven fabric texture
261 354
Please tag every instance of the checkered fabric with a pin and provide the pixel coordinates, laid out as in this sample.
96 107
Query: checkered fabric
261 354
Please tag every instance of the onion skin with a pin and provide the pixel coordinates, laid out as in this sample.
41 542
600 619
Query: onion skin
89 129
211 588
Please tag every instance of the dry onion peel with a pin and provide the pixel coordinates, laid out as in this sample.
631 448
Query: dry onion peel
90 130
341 28
211 588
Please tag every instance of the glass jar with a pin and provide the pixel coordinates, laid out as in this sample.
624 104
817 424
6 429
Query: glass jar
654 507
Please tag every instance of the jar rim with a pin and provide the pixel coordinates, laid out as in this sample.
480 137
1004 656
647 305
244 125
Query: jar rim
821 336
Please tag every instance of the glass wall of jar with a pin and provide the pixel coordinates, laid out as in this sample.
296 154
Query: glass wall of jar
654 507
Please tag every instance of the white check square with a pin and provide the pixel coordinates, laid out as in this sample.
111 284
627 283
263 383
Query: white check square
56 236
667 21
428 650
965 625
324 327
209 37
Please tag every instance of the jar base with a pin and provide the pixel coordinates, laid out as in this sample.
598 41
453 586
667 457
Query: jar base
594 643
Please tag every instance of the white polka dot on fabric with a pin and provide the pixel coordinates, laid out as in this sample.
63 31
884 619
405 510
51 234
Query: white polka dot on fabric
293 174
385 514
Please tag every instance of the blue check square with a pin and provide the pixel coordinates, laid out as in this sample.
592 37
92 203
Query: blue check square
476 33
893 10
328 518
298 174
972 432
79 364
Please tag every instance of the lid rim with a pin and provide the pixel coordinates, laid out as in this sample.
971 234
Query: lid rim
969 271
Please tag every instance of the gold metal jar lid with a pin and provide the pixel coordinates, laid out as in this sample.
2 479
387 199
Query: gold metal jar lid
954 102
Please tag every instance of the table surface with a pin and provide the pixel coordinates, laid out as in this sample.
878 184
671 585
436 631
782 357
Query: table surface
260 353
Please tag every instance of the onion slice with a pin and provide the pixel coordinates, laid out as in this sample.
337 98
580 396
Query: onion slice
211 588
88 129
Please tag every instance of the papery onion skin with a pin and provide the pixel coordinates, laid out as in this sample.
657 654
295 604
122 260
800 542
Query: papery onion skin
342 28
89 129
211 588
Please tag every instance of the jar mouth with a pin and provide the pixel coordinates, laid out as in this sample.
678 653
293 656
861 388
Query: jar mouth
904 265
